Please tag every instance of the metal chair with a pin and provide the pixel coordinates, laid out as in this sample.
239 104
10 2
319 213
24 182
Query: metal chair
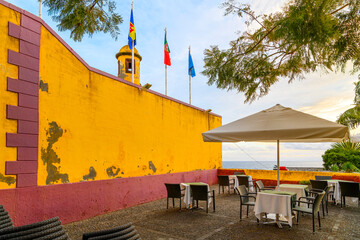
260 186
310 210
224 181
244 199
349 189
201 193
173 191
319 186
126 231
322 177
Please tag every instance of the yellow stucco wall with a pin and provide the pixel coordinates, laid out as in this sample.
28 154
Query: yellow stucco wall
292 175
94 127
7 70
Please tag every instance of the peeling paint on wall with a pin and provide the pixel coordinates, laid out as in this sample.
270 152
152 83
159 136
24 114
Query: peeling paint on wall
49 156
110 171
44 86
8 180
91 175
152 166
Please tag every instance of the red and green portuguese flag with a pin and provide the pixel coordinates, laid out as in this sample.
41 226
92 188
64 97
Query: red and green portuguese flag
167 60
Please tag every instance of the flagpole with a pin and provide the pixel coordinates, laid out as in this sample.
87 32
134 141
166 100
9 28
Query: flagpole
40 8
132 52
165 73
189 82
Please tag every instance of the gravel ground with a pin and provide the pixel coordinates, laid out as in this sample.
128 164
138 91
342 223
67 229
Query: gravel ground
153 221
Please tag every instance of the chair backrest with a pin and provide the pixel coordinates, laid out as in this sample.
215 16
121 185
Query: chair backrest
5 220
243 180
199 192
322 177
239 173
173 190
317 184
223 180
242 191
260 184
126 231
317 202
48 229
349 189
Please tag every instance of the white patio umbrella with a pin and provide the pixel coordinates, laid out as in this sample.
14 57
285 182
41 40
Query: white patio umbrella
278 123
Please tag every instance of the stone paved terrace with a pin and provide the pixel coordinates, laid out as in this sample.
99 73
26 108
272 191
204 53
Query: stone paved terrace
153 221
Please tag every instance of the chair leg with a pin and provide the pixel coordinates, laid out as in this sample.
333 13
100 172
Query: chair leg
297 217
173 202
313 220
214 200
207 206
219 188
247 210
197 203
240 211
344 201
180 204
319 220
167 203
322 206
327 210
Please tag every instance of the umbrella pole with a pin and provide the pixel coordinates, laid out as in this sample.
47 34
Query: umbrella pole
278 163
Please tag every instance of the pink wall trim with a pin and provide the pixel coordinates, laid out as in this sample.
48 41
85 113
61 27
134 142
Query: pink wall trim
78 201
28 16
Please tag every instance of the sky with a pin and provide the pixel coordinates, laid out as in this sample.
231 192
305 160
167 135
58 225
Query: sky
200 24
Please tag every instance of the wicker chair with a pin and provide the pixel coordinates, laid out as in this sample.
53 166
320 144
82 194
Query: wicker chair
349 189
319 186
245 199
260 186
201 193
173 191
224 181
310 210
5 220
126 232
48 229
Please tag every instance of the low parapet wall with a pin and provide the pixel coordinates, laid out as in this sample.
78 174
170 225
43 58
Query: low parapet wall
269 177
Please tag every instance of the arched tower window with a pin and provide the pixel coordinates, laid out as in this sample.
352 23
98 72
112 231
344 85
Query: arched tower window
128 67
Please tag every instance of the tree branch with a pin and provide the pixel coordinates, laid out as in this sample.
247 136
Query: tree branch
340 8
248 13
252 48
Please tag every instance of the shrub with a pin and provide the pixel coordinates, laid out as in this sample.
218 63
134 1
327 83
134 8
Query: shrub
344 156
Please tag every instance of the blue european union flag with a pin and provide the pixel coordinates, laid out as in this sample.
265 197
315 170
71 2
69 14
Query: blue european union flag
191 66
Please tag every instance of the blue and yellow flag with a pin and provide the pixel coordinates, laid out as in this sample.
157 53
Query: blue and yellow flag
132 33
191 66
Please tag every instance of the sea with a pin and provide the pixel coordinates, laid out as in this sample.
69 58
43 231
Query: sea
269 165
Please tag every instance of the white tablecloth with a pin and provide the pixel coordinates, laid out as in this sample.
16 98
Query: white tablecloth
187 195
251 185
336 187
273 203
296 188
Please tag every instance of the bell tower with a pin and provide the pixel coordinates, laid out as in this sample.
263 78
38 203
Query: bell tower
124 64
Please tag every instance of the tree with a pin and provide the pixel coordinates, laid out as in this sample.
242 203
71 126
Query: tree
85 17
344 155
351 117
305 36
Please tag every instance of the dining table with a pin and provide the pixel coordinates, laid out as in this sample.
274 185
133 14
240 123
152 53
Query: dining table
334 183
187 193
299 189
274 202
